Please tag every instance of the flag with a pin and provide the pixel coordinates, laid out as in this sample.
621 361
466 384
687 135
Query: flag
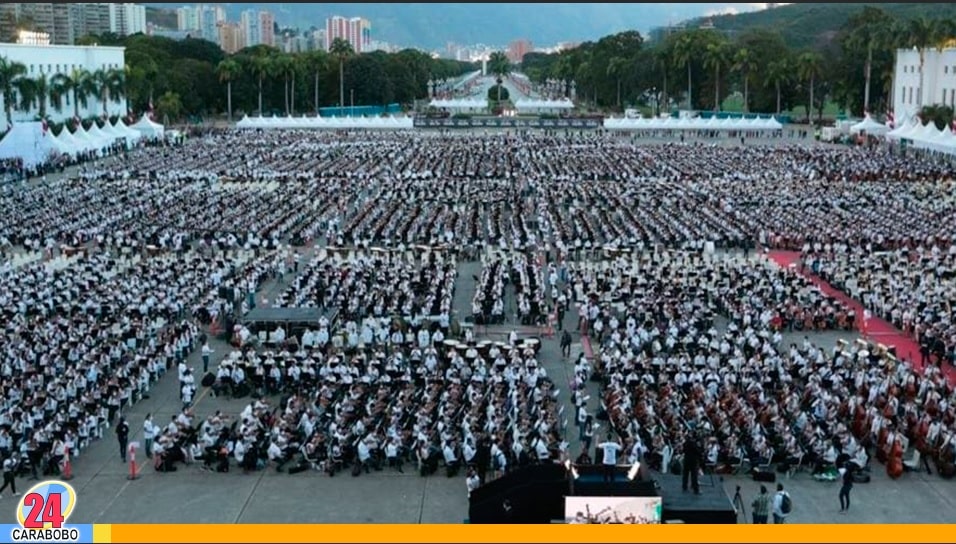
952 125
890 121
149 112
46 127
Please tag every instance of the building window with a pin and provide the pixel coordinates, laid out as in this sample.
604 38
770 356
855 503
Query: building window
945 69
952 97
943 101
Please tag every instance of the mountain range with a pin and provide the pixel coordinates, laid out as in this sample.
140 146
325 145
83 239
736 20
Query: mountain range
433 26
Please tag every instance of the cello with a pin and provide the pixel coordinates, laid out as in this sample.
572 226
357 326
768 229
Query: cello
894 463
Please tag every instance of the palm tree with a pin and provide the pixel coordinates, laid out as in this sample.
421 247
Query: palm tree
871 25
778 75
919 34
260 66
500 66
745 62
34 92
10 71
80 83
315 62
662 60
342 50
228 70
616 69
716 58
685 49
809 66
109 85
281 67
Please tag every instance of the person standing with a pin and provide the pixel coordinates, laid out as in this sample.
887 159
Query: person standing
122 436
691 463
587 433
565 344
781 505
847 475
206 352
149 434
761 506
610 448
9 471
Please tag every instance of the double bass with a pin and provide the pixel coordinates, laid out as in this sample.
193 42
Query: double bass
894 462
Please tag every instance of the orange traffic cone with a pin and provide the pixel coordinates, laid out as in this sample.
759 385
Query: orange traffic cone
67 473
133 472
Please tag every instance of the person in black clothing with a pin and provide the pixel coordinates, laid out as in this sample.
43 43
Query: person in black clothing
691 464
483 457
565 344
122 436
847 471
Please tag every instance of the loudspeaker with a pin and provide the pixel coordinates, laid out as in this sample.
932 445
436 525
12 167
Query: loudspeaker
764 475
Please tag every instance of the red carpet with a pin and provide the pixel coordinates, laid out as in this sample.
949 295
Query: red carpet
880 331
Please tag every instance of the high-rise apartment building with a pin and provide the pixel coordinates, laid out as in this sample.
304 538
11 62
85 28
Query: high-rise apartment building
53 19
209 18
127 19
267 32
357 31
187 18
230 37
90 19
518 49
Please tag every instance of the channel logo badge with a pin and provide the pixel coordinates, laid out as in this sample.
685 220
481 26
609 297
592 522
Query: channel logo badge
42 515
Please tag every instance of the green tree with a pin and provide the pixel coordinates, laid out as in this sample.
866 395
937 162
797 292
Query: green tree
867 30
10 72
809 67
34 91
940 114
316 62
685 49
342 51
500 67
779 73
919 34
616 69
79 83
169 106
261 66
716 58
109 84
745 63
228 70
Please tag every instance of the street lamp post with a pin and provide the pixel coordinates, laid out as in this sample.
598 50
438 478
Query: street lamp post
351 102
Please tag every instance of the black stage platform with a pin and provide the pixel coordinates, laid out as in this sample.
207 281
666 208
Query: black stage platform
712 506
535 494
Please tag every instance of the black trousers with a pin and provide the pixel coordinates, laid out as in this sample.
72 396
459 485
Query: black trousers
690 471
845 497
609 473
8 481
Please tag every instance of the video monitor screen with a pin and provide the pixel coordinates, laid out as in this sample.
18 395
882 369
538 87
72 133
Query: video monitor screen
601 510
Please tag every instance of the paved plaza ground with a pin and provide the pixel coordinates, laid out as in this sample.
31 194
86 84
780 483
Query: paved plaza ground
191 495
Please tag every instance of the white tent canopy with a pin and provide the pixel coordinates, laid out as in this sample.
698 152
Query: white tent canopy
29 143
471 104
931 138
92 142
697 123
130 134
539 105
64 148
335 123
869 126
68 138
148 128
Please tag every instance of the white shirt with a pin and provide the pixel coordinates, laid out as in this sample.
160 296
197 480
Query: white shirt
610 452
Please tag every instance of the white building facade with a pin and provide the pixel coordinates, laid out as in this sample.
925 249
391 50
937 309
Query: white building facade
937 86
49 60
